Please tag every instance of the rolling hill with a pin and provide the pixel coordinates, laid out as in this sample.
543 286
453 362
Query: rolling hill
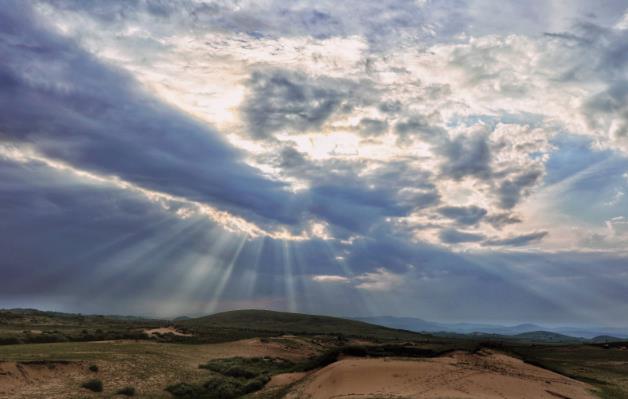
294 323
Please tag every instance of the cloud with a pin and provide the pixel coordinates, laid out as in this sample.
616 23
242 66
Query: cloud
354 207
511 190
417 126
372 127
500 220
519 240
469 215
607 110
291 158
453 236
379 280
467 156
288 100
141 143
330 278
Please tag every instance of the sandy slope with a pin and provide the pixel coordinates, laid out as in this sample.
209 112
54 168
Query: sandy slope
458 375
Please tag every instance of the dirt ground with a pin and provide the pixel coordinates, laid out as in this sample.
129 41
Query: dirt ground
57 371
485 375
33 371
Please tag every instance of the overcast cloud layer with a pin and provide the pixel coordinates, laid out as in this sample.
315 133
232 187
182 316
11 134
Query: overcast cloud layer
457 161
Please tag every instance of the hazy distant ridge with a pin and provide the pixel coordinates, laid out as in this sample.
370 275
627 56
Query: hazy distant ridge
420 325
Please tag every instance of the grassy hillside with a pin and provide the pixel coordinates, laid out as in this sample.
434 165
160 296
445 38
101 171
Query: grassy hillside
294 323
35 326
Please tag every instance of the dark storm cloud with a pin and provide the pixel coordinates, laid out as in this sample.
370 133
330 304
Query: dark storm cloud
517 241
453 236
292 101
287 100
513 189
68 106
354 206
465 215
467 156
348 197
342 193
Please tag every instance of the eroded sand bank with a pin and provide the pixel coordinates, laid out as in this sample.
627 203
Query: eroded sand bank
458 375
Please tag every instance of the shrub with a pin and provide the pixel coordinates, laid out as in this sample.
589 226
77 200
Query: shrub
185 391
126 391
93 385
224 387
93 368
256 384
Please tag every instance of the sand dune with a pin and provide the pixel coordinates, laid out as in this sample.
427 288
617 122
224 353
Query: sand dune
485 375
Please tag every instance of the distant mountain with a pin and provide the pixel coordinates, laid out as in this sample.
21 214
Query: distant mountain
546 336
421 325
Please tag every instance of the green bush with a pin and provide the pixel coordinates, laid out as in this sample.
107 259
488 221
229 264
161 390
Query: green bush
126 391
187 391
214 388
224 387
93 385
247 368
256 384
219 387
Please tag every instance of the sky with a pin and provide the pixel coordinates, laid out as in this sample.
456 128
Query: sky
458 161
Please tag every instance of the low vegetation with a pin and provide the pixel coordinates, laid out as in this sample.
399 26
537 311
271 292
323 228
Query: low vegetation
126 391
237 376
93 385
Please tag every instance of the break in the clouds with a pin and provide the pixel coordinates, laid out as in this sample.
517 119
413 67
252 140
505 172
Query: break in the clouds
191 156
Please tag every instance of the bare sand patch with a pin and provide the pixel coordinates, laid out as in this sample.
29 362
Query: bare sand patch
166 330
459 375
279 380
